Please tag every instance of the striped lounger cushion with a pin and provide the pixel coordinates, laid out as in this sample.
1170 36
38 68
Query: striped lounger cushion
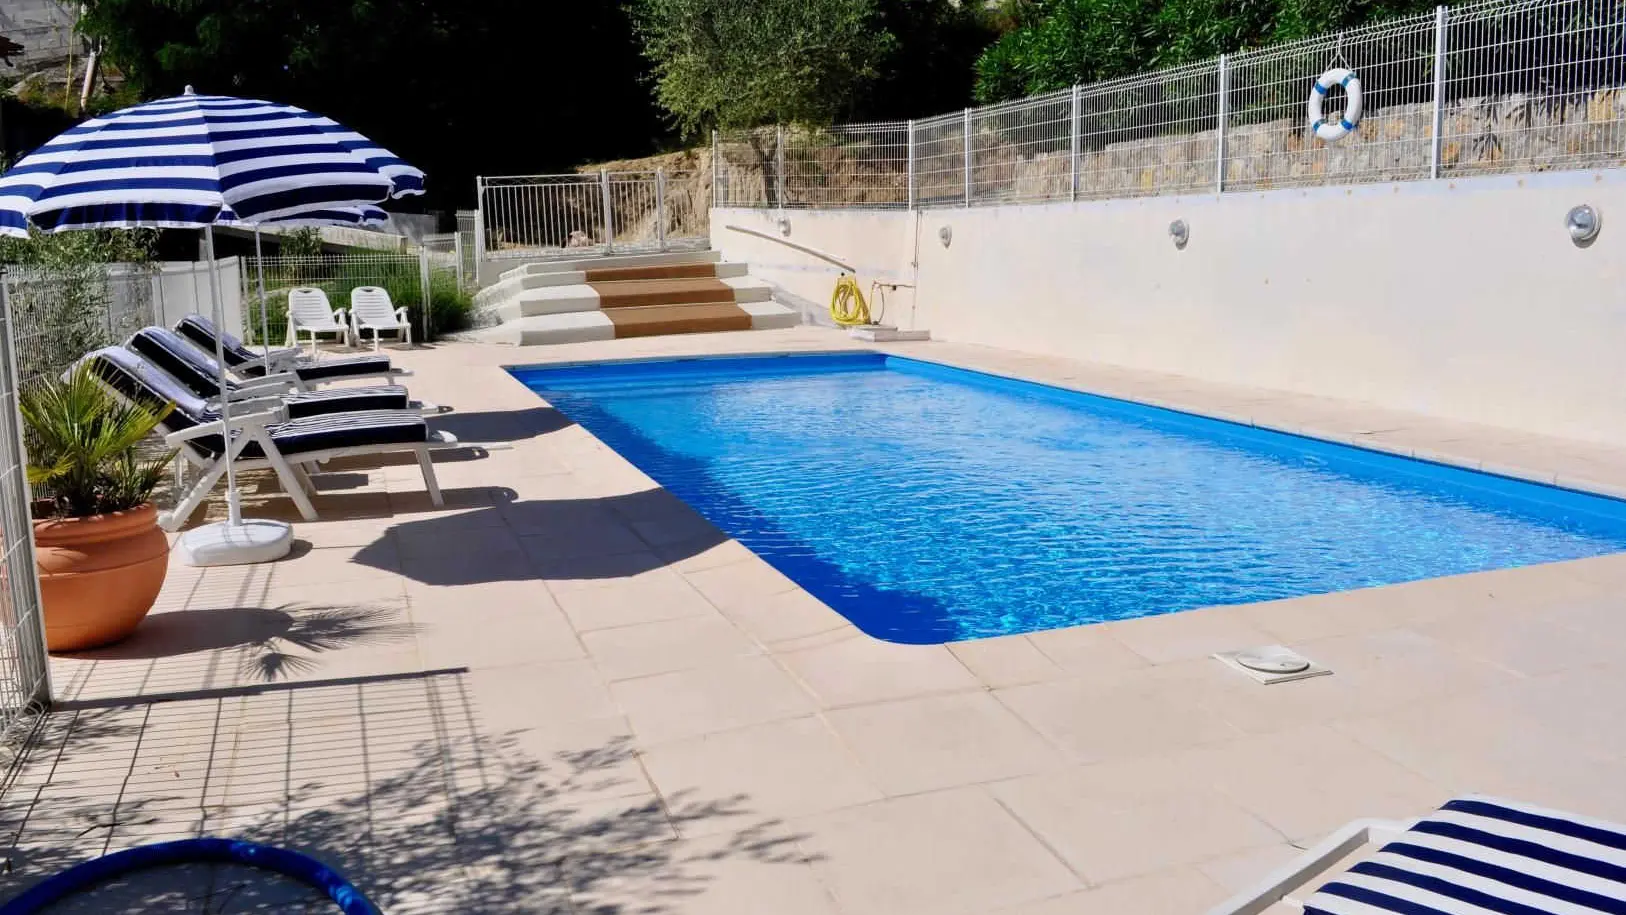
344 367
1484 855
201 331
200 374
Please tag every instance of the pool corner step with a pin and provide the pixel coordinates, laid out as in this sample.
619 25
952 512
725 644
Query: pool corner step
647 321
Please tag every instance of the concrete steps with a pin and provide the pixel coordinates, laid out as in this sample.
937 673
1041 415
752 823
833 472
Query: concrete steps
604 298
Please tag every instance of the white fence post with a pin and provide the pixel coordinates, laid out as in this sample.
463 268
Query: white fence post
660 207
779 164
1441 18
910 172
967 142
609 217
716 171
1224 119
457 252
1077 131
479 223
426 284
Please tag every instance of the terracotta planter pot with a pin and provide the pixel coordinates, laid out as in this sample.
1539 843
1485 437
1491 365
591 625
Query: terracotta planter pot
99 575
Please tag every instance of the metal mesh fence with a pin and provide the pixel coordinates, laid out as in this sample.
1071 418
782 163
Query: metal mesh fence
59 314
25 688
1501 86
542 215
410 279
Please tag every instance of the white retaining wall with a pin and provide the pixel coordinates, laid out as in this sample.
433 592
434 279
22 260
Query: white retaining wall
1462 299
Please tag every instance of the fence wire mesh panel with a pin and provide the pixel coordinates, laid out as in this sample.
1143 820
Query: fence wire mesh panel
1534 86
1153 134
336 275
940 162
1529 85
61 313
468 245
857 165
1268 139
25 688
746 168
559 215
1023 151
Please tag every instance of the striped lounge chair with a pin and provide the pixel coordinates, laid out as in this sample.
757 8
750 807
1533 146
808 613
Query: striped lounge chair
266 439
308 373
201 375
1474 856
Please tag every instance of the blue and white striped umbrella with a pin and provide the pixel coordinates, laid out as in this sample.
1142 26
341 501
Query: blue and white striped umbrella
180 162
336 216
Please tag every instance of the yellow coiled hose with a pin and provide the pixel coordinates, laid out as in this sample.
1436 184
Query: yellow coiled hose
847 305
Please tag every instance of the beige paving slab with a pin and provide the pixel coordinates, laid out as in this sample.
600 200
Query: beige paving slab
539 694
1008 661
1091 722
786 616
1306 783
723 875
947 852
718 697
1085 651
1125 819
1180 891
1181 636
781 769
669 645
858 669
647 597
922 744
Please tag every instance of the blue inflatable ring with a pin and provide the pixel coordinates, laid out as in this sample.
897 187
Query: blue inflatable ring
290 863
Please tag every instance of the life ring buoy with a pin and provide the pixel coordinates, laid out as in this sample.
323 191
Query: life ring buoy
1336 130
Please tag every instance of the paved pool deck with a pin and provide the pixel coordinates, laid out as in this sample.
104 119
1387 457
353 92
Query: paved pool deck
565 692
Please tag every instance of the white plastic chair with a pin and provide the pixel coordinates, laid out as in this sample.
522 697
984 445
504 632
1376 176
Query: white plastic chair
371 309
309 312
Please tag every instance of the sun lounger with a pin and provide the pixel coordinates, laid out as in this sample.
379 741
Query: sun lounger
371 309
309 373
201 375
264 439
1474 856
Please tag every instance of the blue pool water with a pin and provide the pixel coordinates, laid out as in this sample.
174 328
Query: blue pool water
931 504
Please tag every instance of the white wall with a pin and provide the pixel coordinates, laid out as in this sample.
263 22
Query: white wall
1462 299
181 288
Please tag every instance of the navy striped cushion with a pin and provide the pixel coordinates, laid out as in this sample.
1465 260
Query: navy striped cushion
167 350
347 400
352 430
347 367
200 331
1484 855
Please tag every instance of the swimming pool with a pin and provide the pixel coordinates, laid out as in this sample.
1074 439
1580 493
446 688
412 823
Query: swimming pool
932 504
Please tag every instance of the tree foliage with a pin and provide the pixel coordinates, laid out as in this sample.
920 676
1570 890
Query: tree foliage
1058 43
457 89
724 63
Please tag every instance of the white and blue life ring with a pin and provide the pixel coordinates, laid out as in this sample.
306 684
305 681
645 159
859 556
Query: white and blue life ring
1337 129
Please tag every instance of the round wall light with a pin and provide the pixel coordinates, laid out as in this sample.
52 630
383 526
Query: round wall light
945 235
1180 233
1584 223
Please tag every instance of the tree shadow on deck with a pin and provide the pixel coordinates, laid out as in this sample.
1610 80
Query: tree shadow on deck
392 781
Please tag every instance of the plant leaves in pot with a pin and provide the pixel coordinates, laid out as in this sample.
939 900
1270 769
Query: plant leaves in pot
102 558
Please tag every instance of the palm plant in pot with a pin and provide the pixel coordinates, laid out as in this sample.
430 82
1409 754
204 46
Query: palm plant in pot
102 558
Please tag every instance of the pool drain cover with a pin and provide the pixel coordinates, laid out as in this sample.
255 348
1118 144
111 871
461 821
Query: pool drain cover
1271 664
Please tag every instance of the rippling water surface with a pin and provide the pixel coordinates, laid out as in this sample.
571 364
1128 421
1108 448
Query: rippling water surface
931 505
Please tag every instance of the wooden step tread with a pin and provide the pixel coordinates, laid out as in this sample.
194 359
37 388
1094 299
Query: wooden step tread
652 272
688 318
632 293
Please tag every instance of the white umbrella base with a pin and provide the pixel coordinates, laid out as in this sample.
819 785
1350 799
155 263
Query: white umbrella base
244 543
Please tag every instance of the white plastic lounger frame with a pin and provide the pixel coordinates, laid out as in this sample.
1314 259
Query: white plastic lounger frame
1284 880
309 312
371 309
293 476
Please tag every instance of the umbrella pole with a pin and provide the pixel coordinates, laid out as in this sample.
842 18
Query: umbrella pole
265 327
234 509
